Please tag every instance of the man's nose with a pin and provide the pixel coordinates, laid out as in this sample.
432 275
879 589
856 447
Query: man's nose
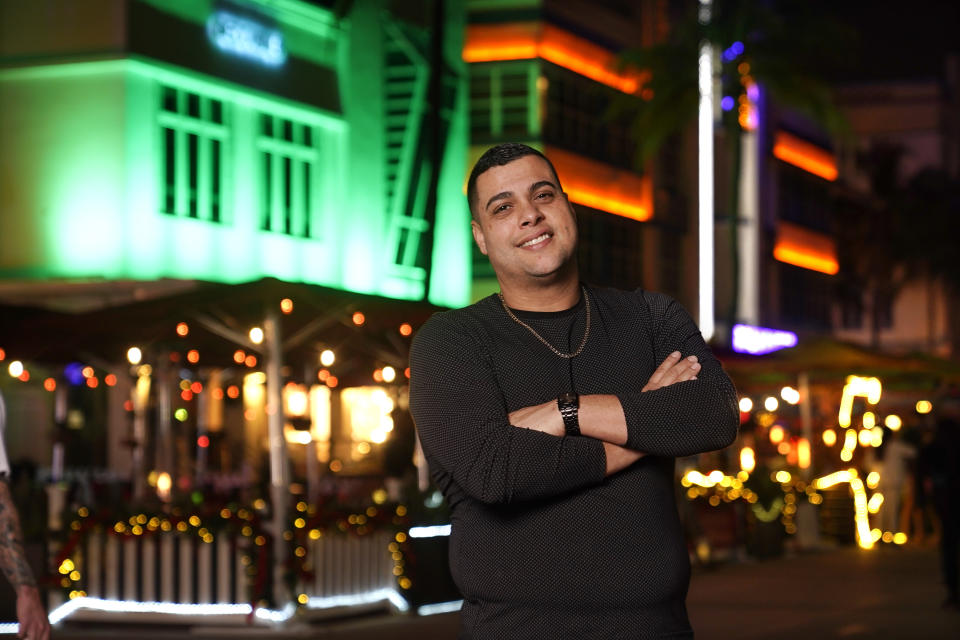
530 216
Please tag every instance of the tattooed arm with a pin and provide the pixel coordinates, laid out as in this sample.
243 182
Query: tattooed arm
30 612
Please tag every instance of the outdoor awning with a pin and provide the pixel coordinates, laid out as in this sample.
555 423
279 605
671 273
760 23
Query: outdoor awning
321 317
827 360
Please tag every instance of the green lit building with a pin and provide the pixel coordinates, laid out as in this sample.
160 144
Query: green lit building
230 141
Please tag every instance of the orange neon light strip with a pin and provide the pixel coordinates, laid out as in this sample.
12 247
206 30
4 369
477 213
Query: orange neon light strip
600 186
805 248
528 40
808 157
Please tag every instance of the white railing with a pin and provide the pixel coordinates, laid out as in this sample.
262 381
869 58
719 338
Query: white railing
188 577
352 571
166 567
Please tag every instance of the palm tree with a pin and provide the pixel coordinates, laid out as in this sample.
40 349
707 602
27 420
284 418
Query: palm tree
780 45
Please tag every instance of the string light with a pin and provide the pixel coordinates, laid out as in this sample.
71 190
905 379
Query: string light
777 434
790 395
183 329
857 386
134 355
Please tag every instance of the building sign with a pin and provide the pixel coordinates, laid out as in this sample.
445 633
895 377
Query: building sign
245 38
760 340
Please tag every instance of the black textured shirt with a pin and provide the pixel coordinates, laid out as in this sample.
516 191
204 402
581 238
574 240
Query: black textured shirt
542 544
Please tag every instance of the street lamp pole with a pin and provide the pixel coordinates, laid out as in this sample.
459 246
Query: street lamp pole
279 474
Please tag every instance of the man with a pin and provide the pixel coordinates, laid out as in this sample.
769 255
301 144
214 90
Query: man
13 561
552 431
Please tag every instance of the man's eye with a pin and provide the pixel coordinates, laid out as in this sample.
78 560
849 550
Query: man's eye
501 208
544 194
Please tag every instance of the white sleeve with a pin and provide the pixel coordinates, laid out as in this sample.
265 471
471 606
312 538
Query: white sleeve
4 463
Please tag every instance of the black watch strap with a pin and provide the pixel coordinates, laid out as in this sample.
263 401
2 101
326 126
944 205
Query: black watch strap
569 405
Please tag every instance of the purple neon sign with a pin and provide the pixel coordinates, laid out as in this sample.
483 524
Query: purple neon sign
760 340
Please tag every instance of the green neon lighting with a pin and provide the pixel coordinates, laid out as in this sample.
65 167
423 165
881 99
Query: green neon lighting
139 170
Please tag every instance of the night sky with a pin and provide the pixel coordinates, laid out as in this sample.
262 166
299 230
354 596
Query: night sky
896 40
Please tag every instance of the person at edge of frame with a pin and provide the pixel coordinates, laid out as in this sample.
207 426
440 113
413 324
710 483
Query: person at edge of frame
31 615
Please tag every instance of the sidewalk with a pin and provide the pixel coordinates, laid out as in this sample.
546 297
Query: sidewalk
889 593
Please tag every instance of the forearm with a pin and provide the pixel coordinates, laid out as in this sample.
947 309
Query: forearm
683 419
619 458
13 560
601 417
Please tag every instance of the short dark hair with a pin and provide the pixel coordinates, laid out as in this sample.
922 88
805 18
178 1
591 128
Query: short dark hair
497 157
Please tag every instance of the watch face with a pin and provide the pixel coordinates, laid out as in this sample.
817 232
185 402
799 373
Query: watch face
569 398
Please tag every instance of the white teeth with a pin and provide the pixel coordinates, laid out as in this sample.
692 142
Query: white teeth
539 238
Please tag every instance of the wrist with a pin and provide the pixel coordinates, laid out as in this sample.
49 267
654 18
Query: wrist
568 404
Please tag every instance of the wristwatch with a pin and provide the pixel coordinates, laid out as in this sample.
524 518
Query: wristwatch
569 405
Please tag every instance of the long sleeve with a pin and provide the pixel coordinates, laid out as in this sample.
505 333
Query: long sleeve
689 417
461 417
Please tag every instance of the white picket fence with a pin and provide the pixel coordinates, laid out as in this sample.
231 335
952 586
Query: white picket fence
179 569
166 567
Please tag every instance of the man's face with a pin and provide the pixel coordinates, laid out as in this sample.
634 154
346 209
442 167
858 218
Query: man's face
523 222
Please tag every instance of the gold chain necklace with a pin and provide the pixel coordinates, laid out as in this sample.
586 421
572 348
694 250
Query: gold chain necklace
586 331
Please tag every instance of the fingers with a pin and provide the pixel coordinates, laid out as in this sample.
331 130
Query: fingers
683 370
673 369
656 380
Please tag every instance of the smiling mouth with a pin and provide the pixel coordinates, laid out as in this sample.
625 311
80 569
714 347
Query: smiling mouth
542 237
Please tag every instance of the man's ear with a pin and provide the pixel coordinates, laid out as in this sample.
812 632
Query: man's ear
478 236
573 211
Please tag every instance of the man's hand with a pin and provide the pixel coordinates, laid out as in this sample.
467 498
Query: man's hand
540 417
673 369
31 615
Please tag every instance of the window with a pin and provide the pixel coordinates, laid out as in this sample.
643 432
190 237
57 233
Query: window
804 199
503 101
193 134
578 118
805 297
288 160
610 251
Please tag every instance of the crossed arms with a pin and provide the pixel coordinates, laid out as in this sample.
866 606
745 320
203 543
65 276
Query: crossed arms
601 415
471 440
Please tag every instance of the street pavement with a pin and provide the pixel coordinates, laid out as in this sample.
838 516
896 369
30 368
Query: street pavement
888 593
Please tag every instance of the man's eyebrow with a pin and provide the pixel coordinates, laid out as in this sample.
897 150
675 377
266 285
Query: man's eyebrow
503 195
541 183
